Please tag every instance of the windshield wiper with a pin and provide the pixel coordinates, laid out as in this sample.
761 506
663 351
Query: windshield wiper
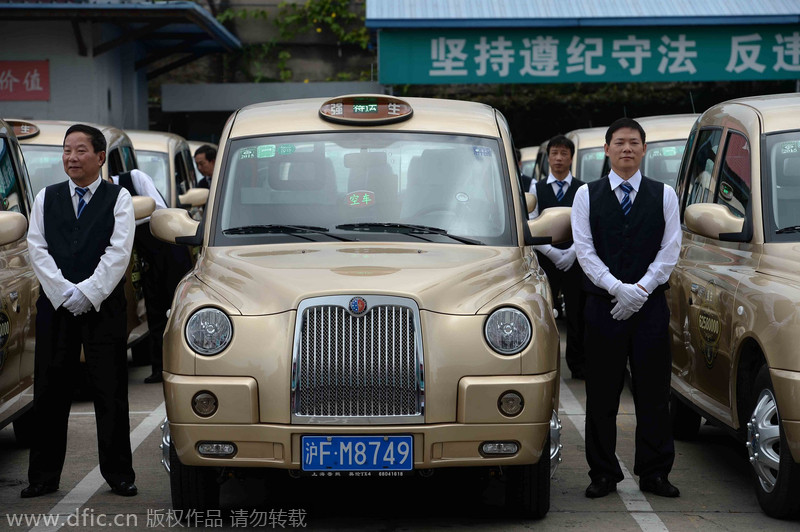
287 229
409 229
790 229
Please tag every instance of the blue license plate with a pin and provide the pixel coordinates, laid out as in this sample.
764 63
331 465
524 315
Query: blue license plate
357 453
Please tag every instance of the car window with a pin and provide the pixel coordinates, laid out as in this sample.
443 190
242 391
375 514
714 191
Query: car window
454 183
733 188
542 165
11 191
781 186
590 164
156 165
681 180
181 175
702 167
115 164
662 160
45 166
128 159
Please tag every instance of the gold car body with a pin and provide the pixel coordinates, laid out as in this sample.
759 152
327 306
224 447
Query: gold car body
167 159
449 288
527 159
42 143
735 293
587 163
19 288
542 168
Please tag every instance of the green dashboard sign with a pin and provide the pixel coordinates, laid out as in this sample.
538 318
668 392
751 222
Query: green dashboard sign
569 55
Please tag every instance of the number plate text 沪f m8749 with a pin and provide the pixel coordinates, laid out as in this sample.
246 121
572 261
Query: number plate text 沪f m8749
358 453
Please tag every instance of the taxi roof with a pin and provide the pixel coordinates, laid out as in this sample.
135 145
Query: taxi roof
528 153
779 112
430 115
158 141
51 132
667 127
590 137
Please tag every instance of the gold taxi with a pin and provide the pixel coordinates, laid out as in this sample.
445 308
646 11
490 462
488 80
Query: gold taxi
19 290
42 143
541 169
366 302
166 158
527 160
587 163
735 292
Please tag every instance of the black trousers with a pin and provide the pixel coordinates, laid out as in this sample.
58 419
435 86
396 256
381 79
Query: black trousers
59 337
570 284
643 339
164 266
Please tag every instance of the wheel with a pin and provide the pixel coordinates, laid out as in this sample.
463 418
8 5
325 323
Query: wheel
685 421
776 475
528 486
24 428
192 487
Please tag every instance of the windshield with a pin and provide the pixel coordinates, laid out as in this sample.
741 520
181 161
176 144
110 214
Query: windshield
662 160
156 165
364 186
590 164
44 165
781 187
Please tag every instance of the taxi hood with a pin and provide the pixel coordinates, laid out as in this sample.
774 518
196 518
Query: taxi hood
445 278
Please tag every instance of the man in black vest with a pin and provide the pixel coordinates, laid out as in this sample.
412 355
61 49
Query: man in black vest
627 235
164 265
79 239
558 261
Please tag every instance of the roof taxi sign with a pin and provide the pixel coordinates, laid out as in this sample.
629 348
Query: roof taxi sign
365 110
23 130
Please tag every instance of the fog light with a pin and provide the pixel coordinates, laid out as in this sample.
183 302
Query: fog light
499 447
216 448
510 403
204 403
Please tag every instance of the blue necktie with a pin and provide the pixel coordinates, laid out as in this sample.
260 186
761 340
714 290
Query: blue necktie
626 199
81 204
560 193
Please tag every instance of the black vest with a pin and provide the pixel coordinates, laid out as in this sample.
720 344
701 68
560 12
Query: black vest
546 198
626 244
77 244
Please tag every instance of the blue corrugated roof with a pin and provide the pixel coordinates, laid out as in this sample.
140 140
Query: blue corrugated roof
566 13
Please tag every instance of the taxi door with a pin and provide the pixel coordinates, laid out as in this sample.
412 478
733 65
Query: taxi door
708 271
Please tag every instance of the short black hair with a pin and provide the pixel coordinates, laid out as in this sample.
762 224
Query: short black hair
620 123
95 135
209 152
561 141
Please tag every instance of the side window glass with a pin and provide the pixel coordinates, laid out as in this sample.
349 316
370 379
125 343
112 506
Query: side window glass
11 193
733 189
181 183
702 167
115 166
127 158
680 185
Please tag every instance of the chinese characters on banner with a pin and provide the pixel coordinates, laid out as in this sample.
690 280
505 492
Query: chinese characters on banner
566 55
24 81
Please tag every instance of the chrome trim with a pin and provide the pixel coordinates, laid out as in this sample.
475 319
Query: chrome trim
555 443
330 356
165 443
764 440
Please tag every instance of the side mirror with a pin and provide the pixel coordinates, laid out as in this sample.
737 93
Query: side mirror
194 197
175 226
530 201
143 206
712 220
553 226
13 226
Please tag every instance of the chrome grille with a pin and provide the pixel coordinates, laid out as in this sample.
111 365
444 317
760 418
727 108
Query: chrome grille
350 366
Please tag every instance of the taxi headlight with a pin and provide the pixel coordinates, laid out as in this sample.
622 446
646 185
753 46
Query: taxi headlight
209 331
507 331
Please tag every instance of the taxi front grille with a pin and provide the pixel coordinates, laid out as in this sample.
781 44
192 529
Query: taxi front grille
350 366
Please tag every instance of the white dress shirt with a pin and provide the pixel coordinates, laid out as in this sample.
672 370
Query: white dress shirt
112 265
144 185
546 249
659 270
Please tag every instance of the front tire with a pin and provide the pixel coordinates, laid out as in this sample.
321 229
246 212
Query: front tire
776 476
192 487
528 486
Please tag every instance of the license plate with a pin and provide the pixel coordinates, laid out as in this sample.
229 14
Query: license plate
357 453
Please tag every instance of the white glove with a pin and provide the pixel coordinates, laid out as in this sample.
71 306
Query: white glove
567 259
629 299
78 303
67 294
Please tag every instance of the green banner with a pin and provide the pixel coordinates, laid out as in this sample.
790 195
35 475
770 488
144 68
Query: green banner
569 55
